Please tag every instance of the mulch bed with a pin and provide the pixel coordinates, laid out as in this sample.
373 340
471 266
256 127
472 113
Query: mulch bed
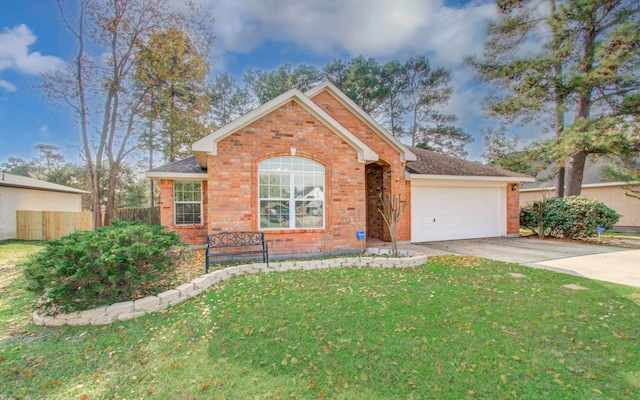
191 267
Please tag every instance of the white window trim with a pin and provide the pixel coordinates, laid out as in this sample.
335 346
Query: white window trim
292 201
175 202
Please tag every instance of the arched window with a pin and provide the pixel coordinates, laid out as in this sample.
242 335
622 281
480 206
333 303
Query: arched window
291 193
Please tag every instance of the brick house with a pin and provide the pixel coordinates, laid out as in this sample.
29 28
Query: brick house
307 168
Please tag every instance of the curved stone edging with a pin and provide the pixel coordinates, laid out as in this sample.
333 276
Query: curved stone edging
132 309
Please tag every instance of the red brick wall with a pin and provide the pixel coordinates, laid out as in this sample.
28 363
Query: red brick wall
233 177
231 200
399 185
192 234
513 209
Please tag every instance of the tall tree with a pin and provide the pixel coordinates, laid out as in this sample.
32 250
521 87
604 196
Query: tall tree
504 152
16 166
362 80
428 89
268 85
171 73
97 84
228 100
587 63
50 166
393 107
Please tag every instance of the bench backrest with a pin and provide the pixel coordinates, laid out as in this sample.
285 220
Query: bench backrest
235 239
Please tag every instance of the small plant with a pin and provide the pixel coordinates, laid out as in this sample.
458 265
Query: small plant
392 208
111 264
569 217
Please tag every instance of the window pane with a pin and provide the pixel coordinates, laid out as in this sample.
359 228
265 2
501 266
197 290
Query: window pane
309 214
187 214
278 177
274 214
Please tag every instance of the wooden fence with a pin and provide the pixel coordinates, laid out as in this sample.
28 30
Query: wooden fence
47 225
149 216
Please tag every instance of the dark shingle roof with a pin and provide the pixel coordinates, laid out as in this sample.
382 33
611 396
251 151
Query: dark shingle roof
187 166
428 163
434 163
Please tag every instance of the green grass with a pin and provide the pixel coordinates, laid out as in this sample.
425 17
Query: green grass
453 328
15 301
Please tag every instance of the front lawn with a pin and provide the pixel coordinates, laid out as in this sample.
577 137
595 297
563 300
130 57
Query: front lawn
453 328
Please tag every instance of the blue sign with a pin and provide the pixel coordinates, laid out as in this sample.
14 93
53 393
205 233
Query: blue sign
601 229
360 235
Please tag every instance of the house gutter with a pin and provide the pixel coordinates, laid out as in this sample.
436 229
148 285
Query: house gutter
506 179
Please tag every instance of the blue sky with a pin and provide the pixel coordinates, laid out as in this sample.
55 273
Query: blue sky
259 34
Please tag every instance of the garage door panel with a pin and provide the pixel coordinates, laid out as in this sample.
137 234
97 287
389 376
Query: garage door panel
446 213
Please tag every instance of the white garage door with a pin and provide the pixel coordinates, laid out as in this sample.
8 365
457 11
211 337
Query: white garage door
447 213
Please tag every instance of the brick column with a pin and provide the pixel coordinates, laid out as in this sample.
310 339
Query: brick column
513 209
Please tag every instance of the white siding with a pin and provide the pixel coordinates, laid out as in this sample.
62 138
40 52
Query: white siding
13 199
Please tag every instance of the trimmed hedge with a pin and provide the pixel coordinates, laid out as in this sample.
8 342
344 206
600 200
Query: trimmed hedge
87 269
569 217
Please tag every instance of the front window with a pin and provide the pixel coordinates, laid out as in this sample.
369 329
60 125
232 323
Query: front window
188 203
291 193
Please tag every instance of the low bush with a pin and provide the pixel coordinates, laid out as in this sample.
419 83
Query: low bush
569 217
84 270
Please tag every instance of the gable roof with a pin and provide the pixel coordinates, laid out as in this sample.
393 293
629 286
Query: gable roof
208 144
434 165
405 153
182 169
24 182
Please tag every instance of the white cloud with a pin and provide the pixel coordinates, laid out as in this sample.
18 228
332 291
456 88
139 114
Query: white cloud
381 29
15 55
374 28
44 131
8 86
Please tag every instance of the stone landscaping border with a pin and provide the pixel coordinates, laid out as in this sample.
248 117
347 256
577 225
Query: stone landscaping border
132 309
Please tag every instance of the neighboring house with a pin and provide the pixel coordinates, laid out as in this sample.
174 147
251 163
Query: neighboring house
308 168
24 193
595 185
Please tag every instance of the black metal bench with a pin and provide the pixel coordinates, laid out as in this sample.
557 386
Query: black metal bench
235 244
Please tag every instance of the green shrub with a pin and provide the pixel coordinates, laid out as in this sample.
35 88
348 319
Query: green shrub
117 263
570 217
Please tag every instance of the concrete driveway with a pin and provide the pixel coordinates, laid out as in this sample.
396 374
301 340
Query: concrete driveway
606 263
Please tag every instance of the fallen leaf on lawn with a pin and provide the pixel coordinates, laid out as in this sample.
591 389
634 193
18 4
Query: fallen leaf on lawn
205 386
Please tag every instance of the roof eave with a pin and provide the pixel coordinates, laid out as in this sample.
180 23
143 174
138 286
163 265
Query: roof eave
18 186
411 176
155 175
585 186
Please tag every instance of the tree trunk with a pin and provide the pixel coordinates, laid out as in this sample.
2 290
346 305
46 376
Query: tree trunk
575 170
558 96
575 164
560 182
95 200
109 211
